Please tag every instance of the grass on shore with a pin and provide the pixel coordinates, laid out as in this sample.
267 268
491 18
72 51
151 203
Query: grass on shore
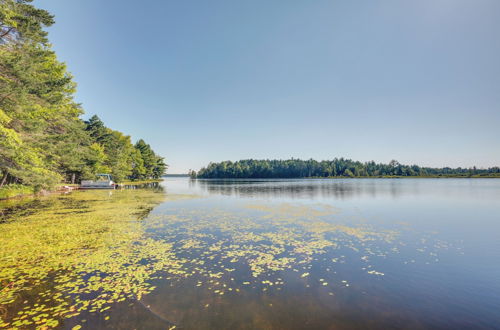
15 190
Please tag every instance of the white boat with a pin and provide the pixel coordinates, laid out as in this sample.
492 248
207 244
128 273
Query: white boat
103 181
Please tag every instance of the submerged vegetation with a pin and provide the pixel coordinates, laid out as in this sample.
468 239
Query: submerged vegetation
78 252
72 259
338 167
85 251
43 141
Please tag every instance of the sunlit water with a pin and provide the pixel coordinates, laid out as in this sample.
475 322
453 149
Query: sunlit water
258 254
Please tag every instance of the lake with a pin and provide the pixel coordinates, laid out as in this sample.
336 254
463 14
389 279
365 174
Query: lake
255 254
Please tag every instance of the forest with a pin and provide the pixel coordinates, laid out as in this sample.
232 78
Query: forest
43 140
338 167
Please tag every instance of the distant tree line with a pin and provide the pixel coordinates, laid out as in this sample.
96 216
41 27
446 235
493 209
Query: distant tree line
43 141
338 167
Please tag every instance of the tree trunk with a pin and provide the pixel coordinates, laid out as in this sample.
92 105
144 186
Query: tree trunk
4 178
73 178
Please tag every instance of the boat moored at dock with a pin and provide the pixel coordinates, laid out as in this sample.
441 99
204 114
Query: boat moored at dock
103 181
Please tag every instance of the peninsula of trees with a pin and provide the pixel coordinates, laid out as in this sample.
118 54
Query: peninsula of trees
338 167
43 140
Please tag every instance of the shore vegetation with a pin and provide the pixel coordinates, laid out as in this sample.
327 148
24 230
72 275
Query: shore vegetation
43 139
336 168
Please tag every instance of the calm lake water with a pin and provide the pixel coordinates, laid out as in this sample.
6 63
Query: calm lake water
256 254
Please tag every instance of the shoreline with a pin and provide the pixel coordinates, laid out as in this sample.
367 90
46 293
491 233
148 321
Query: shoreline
62 188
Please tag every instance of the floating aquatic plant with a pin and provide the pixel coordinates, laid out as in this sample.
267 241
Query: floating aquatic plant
83 252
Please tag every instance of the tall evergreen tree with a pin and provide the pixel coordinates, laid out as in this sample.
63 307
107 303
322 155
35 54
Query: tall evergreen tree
42 139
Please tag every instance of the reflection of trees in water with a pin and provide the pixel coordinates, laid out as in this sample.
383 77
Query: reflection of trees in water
27 206
155 186
339 189
79 252
17 208
20 208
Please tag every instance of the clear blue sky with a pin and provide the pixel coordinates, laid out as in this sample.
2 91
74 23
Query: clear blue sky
417 81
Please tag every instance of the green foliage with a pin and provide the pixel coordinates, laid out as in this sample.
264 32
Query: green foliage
18 19
113 152
119 149
97 159
338 167
42 139
153 166
14 190
96 129
159 168
138 169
